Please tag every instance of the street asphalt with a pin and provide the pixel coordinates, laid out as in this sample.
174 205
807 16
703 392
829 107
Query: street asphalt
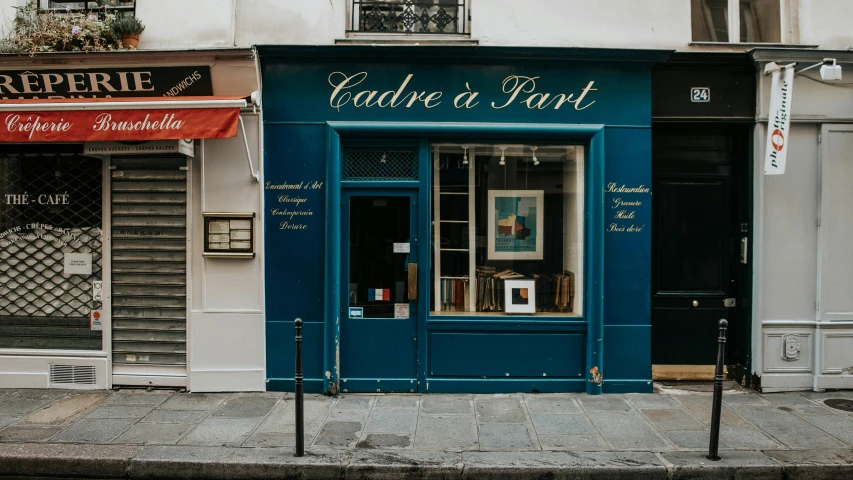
141 434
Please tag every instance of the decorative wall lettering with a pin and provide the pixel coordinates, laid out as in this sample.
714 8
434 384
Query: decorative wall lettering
294 212
516 89
623 209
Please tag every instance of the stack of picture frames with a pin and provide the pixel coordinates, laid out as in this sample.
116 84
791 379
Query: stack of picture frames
511 292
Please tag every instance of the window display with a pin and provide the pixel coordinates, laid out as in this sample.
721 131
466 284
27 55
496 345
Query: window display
507 229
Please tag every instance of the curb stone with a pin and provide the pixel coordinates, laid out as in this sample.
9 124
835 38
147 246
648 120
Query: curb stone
752 465
70 460
814 464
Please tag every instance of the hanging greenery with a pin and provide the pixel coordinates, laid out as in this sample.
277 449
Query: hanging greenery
35 31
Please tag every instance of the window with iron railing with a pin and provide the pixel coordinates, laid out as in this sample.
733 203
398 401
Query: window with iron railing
119 7
403 17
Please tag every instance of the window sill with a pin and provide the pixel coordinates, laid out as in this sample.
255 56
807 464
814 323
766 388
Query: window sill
750 45
358 38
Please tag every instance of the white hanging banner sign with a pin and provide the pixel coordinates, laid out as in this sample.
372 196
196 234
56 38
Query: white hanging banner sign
776 147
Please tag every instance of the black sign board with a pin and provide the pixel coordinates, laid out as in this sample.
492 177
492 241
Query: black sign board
106 82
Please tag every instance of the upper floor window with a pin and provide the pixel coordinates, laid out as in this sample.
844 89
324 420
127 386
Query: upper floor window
733 21
127 7
409 16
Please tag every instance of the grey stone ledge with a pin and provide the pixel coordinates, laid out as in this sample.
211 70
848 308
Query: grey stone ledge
70 460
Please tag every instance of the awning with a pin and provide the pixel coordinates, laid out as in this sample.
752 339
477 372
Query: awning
118 119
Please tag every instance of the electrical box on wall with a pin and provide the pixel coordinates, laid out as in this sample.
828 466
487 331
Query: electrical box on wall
229 235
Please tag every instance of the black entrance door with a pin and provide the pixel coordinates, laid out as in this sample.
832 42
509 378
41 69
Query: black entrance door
698 274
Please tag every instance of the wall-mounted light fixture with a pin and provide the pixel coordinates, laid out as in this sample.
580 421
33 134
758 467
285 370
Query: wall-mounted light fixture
503 158
535 160
465 156
829 69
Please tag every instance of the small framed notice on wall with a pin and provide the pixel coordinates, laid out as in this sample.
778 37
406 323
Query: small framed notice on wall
229 235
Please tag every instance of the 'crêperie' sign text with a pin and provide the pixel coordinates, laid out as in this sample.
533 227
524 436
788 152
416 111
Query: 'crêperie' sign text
352 90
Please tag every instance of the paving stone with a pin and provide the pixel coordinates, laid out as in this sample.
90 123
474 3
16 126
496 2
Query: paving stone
348 415
124 411
650 400
28 433
94 430
397 401
732 465
16 405
573 442
562 465
626 431
221 431
277 439
700 407
558 403
744 399
559 424
354 402
836 425
671 419
746 438
788 399
604 402
693 439
391 420
505 437
283 417
154 434
246 406
449 433
386 440
65 410
446 405
821 396
139 398
499 410
7 420
176 416
194 401
801 410
815 464
338 434
787 428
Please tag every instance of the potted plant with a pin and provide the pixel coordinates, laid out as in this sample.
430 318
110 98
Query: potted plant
128 28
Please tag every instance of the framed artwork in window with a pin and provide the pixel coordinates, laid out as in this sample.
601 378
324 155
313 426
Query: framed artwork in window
515 224
520 296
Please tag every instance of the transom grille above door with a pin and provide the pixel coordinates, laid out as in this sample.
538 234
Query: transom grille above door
380 163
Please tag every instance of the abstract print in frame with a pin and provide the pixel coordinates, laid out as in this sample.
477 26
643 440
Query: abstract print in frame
516 222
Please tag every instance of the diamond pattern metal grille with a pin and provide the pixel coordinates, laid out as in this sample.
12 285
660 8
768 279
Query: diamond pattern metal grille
409 16
380 164
36 231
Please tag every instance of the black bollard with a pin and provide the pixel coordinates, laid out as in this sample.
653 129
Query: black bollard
717 407
300 415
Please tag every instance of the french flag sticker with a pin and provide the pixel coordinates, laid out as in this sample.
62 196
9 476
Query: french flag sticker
379 294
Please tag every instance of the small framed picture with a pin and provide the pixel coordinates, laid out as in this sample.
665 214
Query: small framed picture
520 296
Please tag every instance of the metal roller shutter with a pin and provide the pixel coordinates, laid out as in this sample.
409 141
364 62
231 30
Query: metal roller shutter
149 234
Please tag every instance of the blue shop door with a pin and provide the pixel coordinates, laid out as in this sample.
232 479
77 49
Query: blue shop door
379 312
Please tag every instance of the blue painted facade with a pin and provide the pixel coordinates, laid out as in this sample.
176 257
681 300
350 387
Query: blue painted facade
315 98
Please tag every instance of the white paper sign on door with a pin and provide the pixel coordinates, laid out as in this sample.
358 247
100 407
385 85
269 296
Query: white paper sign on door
401 310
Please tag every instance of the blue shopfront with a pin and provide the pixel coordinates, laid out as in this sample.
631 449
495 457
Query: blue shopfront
457 219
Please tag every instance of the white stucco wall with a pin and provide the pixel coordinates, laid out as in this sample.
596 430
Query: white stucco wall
826 23
602 23
186 24
290 22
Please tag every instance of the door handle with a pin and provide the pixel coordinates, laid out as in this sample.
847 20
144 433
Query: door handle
695 303
413 281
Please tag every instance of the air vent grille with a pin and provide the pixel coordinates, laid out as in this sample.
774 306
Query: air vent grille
72 374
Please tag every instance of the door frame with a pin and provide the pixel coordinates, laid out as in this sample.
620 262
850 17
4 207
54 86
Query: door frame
398 189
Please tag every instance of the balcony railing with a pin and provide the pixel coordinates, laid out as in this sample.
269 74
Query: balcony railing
448 17
100 8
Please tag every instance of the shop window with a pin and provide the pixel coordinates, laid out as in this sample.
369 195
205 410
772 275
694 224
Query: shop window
50 251
756 21
409 16
507 229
